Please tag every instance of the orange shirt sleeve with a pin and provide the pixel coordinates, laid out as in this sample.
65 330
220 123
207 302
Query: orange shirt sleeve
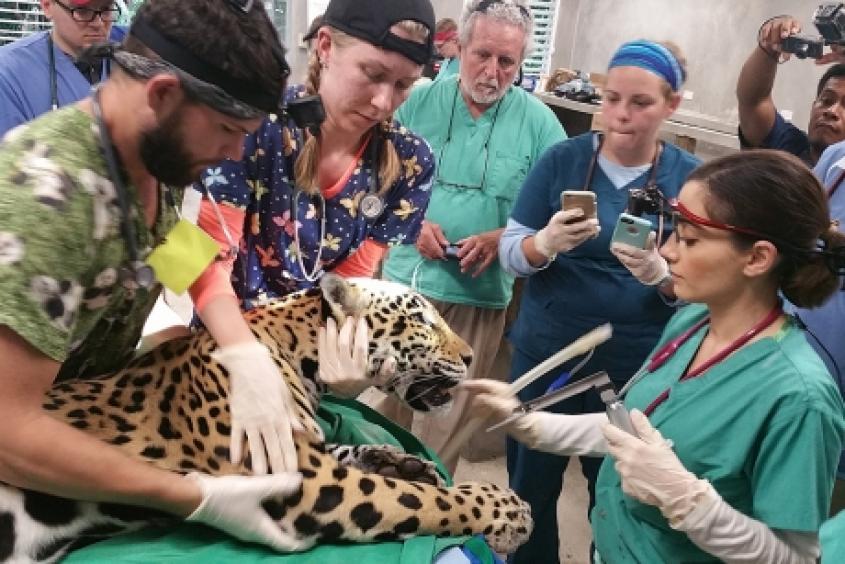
363 262
216 280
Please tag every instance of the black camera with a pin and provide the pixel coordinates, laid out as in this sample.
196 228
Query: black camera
803 47
647 200
451 251
307 112
829 19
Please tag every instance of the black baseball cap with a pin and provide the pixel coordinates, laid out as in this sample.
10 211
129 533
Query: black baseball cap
371 21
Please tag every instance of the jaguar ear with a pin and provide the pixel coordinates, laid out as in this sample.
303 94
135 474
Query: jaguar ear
344 299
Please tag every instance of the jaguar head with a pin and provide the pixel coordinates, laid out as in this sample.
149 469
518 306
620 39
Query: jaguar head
413 353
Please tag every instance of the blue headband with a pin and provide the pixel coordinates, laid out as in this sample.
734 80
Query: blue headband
652 57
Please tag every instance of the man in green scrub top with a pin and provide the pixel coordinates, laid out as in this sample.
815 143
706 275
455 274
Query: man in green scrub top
486 134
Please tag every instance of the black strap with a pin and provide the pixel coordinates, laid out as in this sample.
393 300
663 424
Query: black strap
375 146
127 227
54 90
652 175
171 51
592 168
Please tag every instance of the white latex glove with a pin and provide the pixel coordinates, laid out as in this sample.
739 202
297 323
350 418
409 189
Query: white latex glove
343 358
261 406
651 472
646 265
559 236
566 435
233 505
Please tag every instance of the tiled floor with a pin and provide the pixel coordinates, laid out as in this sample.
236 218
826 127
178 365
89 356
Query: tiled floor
572 506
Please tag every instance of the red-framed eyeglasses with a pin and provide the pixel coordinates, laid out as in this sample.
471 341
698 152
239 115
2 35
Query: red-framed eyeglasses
679 209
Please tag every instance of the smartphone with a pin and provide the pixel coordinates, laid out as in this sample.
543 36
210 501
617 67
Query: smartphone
451 251
584 199
631 230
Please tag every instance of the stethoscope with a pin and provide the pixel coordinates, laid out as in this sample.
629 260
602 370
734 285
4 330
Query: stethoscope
54 87
136 270
669 349
370 207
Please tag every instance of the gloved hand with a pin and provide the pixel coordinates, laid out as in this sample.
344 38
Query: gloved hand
261 406
566 435
651 472
560 236
233 505
343 358
646 265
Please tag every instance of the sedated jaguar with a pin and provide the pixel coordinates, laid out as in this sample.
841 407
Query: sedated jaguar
169 408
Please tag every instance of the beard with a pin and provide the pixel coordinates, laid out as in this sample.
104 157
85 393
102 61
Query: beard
485 96
164 154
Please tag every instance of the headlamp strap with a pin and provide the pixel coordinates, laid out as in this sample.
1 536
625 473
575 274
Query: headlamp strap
177 55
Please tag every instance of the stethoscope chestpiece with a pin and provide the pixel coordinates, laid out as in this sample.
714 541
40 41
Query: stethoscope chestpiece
371 206
138 274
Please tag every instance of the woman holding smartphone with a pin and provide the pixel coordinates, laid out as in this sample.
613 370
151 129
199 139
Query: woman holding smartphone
574 281
739 425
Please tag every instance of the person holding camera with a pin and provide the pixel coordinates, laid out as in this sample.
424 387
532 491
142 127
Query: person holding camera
486 134
86 192
760 124
574 283
737 424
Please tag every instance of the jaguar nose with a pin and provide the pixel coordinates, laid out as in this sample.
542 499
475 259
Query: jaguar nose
467 358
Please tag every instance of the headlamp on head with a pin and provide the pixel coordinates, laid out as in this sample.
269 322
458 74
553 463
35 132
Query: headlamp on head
250 94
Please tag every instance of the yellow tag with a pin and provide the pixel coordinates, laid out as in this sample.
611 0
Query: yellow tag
185 253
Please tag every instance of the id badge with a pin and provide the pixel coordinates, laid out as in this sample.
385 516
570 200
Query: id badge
185 253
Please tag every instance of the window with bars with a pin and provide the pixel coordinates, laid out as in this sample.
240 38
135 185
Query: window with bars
19 19
545 21
278 10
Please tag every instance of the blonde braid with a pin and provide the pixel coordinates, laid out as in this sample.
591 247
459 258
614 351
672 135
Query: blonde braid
390 165
305 168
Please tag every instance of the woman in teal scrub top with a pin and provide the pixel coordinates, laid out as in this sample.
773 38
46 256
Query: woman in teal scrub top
739 424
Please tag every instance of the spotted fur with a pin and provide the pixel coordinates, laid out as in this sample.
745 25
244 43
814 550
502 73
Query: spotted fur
169 407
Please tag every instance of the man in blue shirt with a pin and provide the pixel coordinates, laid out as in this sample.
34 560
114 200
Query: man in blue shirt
760 124
41 72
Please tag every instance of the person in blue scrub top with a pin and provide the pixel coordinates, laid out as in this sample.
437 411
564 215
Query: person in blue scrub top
738 425
825 325
574 282
41 72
